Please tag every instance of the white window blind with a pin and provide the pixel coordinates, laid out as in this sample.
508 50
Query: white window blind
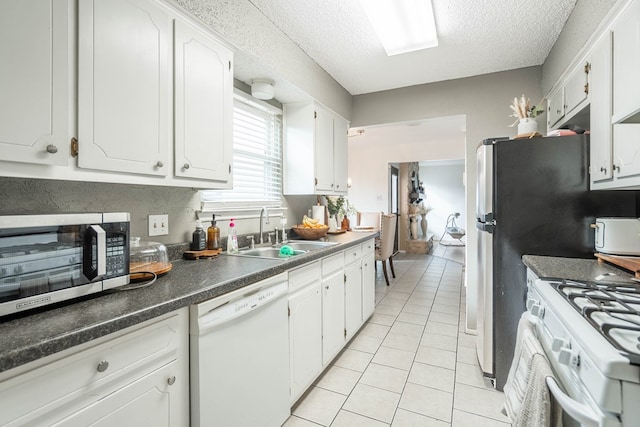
257 156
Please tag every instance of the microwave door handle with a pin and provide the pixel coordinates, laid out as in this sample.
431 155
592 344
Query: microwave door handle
576 410
97 233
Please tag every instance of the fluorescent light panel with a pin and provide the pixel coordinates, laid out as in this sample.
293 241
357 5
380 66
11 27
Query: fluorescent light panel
402 25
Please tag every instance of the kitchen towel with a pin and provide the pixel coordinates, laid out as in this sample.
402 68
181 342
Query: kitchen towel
317 212
528 401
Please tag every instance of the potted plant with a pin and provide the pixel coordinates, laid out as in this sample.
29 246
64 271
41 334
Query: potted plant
525 115
334 206
347 211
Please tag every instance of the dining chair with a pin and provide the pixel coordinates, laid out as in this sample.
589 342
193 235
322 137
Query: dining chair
384 250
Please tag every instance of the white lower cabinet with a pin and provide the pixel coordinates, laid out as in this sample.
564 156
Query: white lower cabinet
333 331
352 291
138 377
368 263
329 301
305 327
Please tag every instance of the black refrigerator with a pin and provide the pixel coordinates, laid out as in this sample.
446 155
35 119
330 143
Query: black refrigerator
532 198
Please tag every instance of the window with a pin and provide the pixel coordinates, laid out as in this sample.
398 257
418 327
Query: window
257 155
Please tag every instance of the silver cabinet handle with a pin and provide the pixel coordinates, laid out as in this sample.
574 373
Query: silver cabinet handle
52 149
102 366
171 380
186 166
159 164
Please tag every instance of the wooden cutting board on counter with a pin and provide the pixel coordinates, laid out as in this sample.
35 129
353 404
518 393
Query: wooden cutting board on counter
630 263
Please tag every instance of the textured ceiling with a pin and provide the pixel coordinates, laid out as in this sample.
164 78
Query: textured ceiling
475 36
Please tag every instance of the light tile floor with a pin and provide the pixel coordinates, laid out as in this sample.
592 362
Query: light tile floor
411 364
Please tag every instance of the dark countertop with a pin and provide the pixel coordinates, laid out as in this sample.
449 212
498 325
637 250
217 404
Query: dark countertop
548 267
32 336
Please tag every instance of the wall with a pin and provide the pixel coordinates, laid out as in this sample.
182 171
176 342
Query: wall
582 23
485 102
444 188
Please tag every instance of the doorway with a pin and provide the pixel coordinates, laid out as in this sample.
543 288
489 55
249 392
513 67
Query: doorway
393 200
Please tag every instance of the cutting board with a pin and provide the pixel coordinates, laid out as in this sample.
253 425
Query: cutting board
632 264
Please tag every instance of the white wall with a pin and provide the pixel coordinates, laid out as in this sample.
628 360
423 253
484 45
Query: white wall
484 100
444 190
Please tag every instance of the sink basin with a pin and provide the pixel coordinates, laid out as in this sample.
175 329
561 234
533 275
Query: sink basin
305 245
270 252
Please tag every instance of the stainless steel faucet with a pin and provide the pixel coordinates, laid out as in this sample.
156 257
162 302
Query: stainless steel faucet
264 212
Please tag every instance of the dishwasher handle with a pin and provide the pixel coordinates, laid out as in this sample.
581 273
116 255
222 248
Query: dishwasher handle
241 307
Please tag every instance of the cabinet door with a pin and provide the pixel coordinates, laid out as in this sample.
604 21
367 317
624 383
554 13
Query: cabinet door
124 87
626 150
600 113
368 286
323 146
352 298
203 105
34 81
305 338
626 63
576 89
149 400
332 316
555 107
340 154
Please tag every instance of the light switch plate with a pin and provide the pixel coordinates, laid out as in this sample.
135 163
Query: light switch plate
158 225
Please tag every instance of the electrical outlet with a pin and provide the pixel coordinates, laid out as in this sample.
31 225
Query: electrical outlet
158 225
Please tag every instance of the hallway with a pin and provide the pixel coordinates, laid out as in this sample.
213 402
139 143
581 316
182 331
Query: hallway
411 364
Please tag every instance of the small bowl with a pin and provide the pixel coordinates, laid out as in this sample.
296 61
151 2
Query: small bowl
310 233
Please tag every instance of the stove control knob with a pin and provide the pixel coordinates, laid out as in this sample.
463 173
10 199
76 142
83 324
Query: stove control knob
18 269
559 343
537 310
568 357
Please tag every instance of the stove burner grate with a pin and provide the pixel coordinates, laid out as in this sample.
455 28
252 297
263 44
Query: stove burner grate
612 309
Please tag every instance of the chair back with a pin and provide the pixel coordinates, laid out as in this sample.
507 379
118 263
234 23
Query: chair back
368 219
387 236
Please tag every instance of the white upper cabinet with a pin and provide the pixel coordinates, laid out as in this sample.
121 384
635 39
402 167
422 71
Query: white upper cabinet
626 153
570 97
124 87
203 105
600 114
34 81
626 65
315 150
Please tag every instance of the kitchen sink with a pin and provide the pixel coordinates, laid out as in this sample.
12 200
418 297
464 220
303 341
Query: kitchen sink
305 245
268 252
299 247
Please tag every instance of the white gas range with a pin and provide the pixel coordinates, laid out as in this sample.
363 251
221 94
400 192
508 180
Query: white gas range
590 332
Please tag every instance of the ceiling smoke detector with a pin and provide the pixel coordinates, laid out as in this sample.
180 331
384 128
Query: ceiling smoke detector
262 89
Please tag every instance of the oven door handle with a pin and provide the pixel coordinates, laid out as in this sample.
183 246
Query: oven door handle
576 410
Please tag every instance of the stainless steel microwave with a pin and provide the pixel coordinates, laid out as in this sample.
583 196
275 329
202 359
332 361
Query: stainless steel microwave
46 259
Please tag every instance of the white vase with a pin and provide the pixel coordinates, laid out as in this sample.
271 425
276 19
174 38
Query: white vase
423 225
414 228
527 125
333 223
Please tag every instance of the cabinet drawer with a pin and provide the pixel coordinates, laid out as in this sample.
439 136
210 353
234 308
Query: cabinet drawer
82 376
300 277
368 247
352 254
332 264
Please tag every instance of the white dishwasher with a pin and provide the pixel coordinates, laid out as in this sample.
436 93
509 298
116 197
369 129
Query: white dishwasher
240 357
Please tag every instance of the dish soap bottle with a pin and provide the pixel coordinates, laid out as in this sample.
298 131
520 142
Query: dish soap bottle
232 239
199 238
213 235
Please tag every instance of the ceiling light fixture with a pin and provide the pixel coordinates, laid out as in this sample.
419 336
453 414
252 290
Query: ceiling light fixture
402 25
262 89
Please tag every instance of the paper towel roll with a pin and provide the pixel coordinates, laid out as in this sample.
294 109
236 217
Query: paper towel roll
317 212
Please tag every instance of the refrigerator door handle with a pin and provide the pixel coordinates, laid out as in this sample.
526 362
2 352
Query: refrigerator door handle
489 227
